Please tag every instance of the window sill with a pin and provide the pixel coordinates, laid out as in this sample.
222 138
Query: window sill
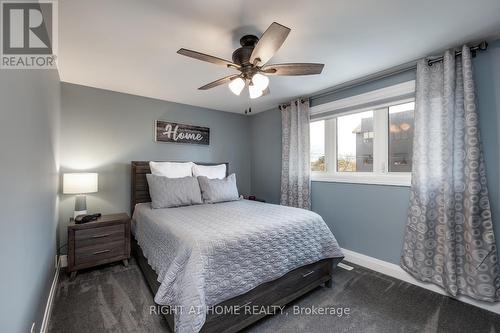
382 179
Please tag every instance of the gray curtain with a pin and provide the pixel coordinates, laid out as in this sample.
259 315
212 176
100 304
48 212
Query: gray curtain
295 165
449 237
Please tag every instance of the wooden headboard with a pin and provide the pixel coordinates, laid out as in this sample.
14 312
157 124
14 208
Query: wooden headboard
140 189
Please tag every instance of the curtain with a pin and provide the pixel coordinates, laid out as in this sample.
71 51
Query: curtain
449 238
295 165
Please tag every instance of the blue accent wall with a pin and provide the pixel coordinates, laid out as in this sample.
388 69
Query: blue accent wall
29 127
487 75
371 219
265 136
368 219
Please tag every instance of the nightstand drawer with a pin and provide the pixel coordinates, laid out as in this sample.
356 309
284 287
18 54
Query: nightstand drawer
98 242
99 252
101 235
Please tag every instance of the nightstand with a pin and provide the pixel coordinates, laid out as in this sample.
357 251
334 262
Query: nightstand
99 242
254 198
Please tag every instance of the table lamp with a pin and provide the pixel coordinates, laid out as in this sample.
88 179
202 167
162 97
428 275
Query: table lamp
80 184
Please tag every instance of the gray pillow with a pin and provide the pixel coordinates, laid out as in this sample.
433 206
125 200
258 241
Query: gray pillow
218 190
173 192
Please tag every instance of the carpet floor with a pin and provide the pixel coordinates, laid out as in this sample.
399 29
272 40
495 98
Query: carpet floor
115 298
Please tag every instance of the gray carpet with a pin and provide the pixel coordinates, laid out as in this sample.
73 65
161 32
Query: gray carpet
115 298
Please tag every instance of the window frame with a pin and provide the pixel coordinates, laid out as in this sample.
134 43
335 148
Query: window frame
379 101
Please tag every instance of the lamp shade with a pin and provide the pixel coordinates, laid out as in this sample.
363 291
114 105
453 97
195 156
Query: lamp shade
237 85
260 81
254 91
79 183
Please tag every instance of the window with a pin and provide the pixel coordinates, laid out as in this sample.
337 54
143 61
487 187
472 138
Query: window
355 142
365 144
317 132
401 137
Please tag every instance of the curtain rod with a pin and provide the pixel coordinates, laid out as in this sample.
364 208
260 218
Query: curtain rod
479 47
406 67
284 105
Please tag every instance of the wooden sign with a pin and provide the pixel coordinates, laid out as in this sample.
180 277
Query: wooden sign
180 133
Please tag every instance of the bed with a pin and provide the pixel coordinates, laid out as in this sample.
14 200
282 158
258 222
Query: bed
221 267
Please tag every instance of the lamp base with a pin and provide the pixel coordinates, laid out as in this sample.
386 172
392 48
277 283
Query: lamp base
80 205
79 212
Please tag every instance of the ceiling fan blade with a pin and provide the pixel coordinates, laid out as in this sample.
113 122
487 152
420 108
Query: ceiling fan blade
207 58
269 43
218 82
293 69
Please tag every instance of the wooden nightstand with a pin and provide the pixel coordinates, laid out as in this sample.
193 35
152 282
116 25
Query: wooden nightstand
254 198
100 242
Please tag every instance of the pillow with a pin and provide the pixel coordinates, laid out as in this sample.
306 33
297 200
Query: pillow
210 171
171 169
218 190
173 192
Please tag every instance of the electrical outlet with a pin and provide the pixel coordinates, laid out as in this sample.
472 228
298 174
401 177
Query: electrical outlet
33 327
64 260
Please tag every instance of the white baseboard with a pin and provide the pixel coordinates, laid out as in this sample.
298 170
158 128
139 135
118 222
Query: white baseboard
50 300
397 272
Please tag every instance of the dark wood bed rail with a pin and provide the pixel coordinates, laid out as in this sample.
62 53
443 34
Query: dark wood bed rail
140 190
270 295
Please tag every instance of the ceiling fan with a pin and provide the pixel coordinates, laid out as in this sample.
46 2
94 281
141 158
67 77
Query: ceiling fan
251 59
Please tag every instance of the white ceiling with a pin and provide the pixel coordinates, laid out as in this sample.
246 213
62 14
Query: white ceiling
130 45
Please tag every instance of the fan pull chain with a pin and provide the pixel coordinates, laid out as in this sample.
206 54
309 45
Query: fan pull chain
249 110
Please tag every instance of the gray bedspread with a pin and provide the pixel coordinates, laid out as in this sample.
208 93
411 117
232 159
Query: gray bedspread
206 254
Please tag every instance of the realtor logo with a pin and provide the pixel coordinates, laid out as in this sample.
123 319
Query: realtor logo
29 34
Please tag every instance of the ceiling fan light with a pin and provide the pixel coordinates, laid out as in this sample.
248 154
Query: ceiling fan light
237 85
254 91
260 81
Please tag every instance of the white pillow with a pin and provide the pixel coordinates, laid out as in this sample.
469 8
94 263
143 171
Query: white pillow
172 169
210 171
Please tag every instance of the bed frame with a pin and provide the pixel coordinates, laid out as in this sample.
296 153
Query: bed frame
274 293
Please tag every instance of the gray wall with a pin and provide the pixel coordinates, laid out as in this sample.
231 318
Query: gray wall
29 125
102 131
487 74
370 219
265 134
